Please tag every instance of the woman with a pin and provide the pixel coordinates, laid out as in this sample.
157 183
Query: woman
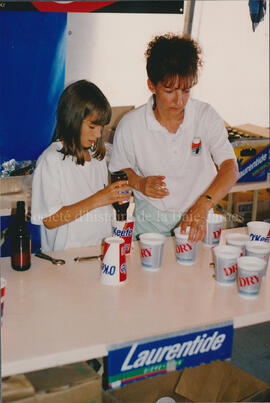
170 147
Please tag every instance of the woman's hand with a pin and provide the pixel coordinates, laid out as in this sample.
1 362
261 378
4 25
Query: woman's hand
117 192
153 186
195 218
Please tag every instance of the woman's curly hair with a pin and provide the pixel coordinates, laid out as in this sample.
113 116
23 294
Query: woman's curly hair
170 55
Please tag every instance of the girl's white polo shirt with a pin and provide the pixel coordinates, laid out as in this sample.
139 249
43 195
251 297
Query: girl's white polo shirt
142 144
57 183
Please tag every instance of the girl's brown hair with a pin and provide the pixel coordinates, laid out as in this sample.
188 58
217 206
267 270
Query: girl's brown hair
79 100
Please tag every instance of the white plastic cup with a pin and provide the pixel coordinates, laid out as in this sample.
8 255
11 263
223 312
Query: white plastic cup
124 230
239 240
186 251
259 231
250 273
214 225
166 399
113 266
225 257
258 249
151 247
3 290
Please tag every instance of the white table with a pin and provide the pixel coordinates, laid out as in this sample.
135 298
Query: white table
56 315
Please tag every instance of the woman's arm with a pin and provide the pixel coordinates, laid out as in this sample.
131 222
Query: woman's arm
110 194
151 186
197 214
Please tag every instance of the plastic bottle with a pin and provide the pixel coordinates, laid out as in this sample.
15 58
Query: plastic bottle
20 241
121 209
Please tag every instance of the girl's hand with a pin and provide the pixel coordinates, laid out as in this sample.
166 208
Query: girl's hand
118 191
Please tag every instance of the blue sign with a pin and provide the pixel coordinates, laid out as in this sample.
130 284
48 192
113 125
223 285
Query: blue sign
256 168
142 358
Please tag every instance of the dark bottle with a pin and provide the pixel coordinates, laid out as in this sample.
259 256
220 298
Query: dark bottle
121 209
20 240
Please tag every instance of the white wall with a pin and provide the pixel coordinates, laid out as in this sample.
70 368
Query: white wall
108 49
235 76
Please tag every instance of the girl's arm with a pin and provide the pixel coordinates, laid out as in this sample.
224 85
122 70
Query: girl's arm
110 194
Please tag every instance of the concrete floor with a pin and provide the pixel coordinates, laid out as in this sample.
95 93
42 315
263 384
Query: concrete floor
251 350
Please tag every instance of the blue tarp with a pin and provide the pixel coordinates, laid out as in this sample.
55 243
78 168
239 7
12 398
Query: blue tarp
32 68
32 73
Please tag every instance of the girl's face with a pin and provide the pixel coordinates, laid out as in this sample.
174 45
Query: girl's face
90 132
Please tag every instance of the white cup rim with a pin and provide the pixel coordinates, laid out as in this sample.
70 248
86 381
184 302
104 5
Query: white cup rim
178 229
114 239
155 238
259 227
258 246
259 223
214 218
235 238
222 251
244 260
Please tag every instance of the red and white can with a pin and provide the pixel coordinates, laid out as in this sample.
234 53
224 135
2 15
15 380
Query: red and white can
113 266
124 230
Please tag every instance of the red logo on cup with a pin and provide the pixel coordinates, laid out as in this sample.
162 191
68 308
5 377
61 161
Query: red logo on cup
230 270
182 248
217 233
247 281
146 252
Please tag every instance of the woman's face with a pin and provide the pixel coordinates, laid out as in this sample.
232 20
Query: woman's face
171 96
90 132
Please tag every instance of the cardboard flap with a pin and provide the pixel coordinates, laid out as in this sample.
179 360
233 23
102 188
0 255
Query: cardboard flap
117 113
217 382
147 390
16 387
60 377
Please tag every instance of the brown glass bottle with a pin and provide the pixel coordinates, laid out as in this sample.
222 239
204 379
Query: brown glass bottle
20 241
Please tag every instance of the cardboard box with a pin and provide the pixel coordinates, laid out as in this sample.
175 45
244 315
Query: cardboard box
117 113
15 388
147 390
243 204
215 382
221 381
251 145
15 184
253 158
254 130
74 383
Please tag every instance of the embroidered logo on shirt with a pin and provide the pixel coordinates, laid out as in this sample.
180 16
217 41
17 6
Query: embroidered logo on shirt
196 146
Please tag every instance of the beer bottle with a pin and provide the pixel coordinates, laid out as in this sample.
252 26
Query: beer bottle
20 240
121 209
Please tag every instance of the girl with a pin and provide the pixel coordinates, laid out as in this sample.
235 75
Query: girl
71 198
